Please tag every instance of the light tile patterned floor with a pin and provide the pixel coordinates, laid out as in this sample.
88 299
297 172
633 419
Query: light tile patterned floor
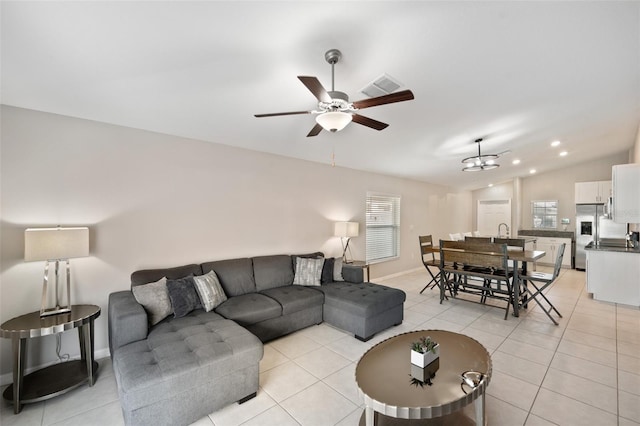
586 371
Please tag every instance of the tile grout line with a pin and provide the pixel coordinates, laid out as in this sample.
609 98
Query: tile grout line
529 413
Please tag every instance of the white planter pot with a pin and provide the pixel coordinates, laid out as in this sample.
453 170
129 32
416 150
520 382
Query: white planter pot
422 360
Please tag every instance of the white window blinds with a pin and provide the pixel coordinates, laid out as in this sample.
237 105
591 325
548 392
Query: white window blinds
382 227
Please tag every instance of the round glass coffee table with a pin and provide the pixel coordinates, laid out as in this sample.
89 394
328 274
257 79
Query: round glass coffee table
393 388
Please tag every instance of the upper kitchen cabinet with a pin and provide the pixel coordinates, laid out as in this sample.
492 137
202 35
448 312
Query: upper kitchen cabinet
593 192
626 193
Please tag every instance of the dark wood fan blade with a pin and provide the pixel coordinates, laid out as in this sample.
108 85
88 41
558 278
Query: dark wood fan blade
369 122
282 113
315 87
405 95
316 129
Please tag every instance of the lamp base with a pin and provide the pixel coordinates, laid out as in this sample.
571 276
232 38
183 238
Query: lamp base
54 311
44 311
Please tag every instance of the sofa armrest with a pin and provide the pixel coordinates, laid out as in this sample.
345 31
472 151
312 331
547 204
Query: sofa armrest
127 320
353 274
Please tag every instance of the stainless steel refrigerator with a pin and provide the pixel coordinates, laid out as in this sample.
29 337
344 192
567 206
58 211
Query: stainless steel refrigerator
592 224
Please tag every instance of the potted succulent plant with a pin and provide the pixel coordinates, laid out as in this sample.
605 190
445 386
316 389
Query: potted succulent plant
424 351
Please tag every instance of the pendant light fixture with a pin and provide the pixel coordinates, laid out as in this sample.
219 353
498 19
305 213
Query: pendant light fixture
480 161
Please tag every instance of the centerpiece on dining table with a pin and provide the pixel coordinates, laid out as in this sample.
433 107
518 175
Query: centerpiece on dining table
424 351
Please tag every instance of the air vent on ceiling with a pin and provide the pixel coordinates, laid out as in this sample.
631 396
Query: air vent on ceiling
383 85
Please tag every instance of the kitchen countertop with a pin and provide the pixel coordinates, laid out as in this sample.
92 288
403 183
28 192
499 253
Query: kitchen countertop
620 249
547 233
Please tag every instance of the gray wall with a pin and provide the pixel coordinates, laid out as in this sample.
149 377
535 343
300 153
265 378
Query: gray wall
153 200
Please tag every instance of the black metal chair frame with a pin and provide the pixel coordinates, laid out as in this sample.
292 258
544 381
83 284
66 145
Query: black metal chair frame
426 241
546 279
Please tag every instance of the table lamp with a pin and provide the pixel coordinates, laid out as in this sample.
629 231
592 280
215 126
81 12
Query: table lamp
346 230
55 244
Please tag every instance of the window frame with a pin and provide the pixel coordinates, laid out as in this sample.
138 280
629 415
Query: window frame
542 211
382 227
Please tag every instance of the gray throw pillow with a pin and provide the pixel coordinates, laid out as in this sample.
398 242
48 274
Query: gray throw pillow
337 269
308 271
183 296
154 297
210 291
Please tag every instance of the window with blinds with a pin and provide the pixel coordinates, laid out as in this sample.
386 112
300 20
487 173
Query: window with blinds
382 227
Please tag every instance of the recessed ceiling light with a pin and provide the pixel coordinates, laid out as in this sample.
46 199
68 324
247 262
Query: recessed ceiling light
532 171
490 185
555 143
563 153
516 161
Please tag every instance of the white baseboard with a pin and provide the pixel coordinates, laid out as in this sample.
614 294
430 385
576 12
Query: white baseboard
6 379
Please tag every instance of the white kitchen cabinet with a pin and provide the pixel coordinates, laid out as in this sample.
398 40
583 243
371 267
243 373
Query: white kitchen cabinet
550 246
626 193
593 192
612 276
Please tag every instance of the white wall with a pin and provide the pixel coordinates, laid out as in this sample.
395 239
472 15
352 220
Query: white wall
556 185
560 185
153 200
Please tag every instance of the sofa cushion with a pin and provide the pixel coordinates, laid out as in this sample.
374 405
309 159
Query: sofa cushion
249 309
365 299
272 271
235 275
154 297
308 271
210 290
151 275
182 353
183 295
294 298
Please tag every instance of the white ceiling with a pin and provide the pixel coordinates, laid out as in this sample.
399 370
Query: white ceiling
519 74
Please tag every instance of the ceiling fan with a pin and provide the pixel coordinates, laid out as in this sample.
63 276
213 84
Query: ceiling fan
334 109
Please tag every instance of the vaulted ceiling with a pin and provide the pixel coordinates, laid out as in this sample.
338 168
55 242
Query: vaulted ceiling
518 74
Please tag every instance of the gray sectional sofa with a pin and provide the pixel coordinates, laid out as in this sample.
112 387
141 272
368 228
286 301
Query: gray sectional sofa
181 369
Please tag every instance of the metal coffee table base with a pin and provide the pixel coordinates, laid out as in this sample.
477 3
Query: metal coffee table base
457 419
370 417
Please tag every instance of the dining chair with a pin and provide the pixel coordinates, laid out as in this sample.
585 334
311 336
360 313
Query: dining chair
540 281
429 260
512 244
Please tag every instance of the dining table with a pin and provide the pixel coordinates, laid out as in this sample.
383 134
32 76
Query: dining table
515 255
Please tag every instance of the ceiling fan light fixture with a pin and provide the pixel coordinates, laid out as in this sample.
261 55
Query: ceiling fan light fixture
334 121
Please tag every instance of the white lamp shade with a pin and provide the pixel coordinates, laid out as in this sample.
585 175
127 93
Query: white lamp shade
55 243
346 229
334 121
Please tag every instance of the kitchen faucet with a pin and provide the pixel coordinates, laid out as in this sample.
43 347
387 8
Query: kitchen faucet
500 226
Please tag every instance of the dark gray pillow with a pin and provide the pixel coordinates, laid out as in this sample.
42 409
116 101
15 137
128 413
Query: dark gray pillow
327 270
183 295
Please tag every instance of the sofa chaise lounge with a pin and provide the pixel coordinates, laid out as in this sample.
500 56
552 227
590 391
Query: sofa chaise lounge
181 369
